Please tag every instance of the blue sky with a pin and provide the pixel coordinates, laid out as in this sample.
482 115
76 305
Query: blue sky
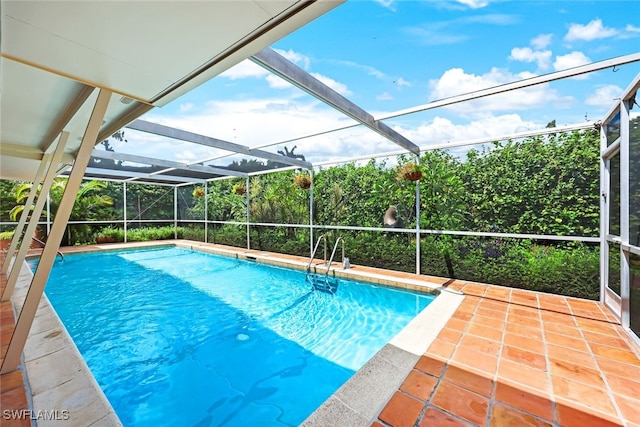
387 56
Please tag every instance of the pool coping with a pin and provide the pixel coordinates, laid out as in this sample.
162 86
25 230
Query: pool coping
60 379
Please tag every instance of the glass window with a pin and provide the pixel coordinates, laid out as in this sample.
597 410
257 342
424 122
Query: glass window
612 129
634 294
614 267
634 181
614 195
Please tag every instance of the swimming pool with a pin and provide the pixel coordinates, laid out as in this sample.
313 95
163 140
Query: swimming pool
179 337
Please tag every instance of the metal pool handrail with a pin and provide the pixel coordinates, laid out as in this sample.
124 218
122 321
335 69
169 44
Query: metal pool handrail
315 249
43 243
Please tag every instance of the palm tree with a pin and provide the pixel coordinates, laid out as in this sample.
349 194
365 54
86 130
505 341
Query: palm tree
86 206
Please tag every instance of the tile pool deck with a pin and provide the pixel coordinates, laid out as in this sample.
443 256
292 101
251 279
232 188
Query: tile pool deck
504 357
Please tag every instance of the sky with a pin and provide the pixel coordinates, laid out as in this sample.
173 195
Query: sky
388 55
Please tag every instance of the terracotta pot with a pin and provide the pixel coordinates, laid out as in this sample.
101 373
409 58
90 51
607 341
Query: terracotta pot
305 185
413 176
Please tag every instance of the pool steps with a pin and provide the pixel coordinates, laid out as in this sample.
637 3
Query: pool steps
322 282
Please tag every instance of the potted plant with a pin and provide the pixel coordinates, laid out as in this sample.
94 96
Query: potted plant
5 240
410 171
198 192
110 235
240 189
303 180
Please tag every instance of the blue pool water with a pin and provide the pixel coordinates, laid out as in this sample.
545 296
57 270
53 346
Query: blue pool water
179 337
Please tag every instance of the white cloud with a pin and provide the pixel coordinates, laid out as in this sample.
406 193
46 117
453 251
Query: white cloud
491 19
525 54
386 96
251 123
402 82
387 4
434 35
631 29
442 130
570 60
187 156
341 88
592 31
455 82
276 82
262 122
372 71
299 59
245 69
249 69
474 4
542 41
604 96
185 107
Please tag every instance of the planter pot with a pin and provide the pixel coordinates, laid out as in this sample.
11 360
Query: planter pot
413 176
105 240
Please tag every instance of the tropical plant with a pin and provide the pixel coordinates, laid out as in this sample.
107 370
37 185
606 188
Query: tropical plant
110 235
88 204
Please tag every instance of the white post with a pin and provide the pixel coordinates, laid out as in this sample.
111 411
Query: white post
625 268
206 212
418 257
17 233
311 215
48 213
175 212
124 196
39 280
35 216
248 213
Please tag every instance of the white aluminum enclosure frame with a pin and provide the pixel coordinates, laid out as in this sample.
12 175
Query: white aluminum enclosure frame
49 253
35 215
620 148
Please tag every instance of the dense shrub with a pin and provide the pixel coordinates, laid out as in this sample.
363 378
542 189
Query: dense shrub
228 234
110 235
571 269
150 233
540 185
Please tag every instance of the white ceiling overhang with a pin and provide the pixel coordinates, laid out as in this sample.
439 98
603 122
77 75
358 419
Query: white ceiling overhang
148 53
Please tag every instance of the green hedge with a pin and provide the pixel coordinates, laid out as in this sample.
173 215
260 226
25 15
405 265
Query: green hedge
570 269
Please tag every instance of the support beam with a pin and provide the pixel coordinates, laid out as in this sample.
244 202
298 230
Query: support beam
17 233
101 154
520 84
279 65
195 138
39 280
35 216
130 176
72 109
